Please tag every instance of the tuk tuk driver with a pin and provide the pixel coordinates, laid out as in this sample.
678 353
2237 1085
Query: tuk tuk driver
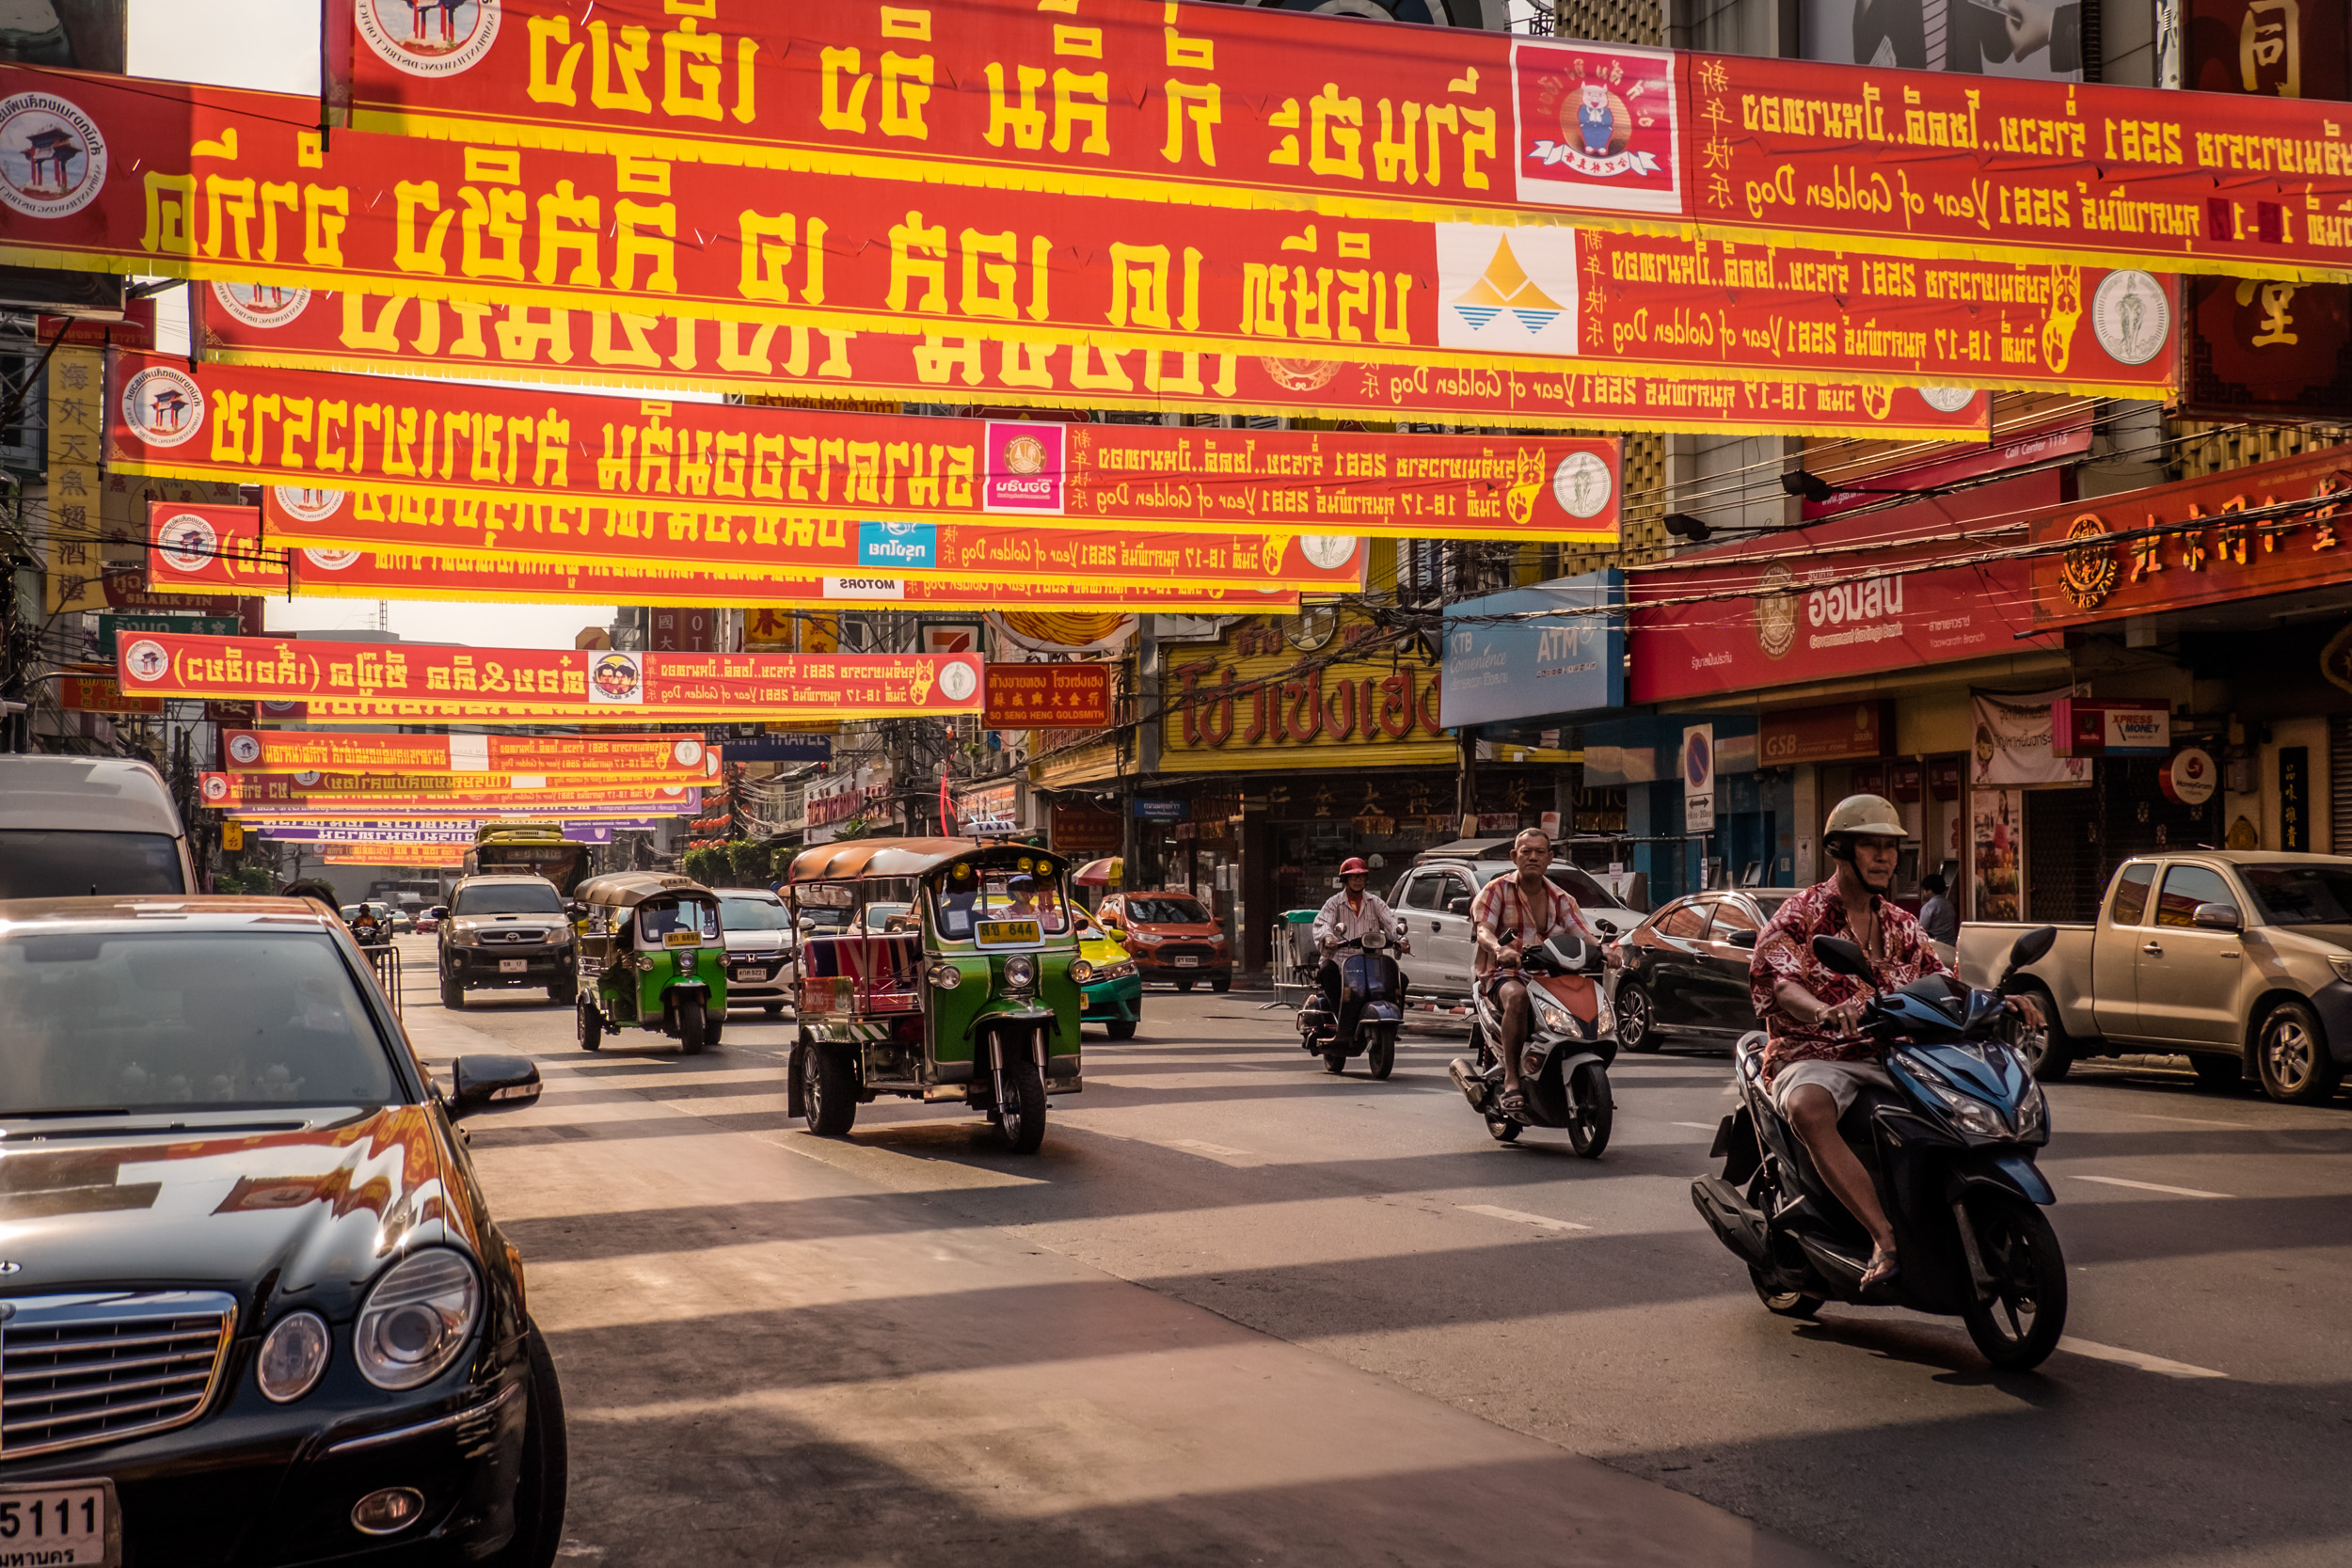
1344 917
1024 905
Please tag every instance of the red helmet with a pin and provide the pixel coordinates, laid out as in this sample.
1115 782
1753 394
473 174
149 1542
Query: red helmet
1354 867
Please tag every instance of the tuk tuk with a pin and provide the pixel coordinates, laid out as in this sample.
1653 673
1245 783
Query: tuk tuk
1108 980
946 970
651 957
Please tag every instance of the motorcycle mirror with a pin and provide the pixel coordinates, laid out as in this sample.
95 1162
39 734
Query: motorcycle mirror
1840 957
2030 949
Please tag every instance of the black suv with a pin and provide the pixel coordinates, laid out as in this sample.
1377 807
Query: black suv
506 930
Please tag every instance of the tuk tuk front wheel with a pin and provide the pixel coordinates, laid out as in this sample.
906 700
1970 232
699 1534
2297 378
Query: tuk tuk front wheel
591 1023
827 1093
1020 1116
693 1030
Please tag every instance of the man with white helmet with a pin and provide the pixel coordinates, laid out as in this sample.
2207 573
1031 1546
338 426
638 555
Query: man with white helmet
1815 1064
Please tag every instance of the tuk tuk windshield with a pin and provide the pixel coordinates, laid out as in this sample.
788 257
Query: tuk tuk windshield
685 925
997 896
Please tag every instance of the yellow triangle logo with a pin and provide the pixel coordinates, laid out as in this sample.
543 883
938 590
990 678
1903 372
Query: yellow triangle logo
1504 285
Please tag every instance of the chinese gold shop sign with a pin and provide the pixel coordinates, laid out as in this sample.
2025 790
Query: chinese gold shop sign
1260 701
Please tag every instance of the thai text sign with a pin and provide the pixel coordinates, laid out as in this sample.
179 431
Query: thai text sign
97 694
784 470
1256 702
518 681
520 791
2181 546
666 758
1048 696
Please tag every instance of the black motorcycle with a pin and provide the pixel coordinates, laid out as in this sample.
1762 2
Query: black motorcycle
1372 1009
1951 1153
1564 1063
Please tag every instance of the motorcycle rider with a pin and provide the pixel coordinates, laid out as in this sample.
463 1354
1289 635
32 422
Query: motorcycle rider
1511 914
1815 1065
1344 917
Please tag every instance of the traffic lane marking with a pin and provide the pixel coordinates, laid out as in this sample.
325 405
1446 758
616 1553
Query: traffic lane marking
2145 1186
2144 1362
1520 1216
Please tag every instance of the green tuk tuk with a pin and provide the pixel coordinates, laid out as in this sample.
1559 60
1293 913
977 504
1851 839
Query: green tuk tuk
651 957
943 972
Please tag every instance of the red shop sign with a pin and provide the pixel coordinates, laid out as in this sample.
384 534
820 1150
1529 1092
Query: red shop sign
1048 696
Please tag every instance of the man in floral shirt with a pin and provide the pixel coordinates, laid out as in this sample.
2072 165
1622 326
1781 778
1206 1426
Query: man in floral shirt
1815 1064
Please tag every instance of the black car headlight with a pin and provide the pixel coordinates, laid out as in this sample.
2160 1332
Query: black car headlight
418 1318
292 1356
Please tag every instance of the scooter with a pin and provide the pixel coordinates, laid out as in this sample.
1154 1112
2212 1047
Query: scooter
1951 1153
1563 1065
1372 1009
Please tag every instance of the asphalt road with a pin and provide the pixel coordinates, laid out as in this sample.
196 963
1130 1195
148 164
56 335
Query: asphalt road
1368 1242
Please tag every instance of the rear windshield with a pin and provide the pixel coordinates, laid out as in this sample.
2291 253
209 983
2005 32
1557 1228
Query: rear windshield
39 863
149 1020
509 898
754 914
2300 894
1167 912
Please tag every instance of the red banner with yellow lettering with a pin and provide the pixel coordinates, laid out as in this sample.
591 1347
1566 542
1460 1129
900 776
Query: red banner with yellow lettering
649 758
260 795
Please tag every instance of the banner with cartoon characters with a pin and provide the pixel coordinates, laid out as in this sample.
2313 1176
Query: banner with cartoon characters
652 758
1260 109
246 323
542 684
574 474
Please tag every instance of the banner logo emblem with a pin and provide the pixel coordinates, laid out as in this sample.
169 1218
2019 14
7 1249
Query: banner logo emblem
308 506
187 543
145 660
53 161
1776 611
616 678
330 561
1024 469
2131 317
1330 551
215 787
1513 290
163 407
429 38
1581 485
244 748
1595 126
1505 286
261 305
687 753
957 681
1946 400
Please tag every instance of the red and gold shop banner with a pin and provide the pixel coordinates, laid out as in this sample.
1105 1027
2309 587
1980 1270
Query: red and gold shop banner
256 796
396 854
205 547
1048 696
2181 545
1212 109
298 329
556 683
1252 701
652 758
241 789
786 470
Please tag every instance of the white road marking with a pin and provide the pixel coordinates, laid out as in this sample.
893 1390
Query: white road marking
2188 1121
1520 1216
2157 1364
1215 1151
1702 1126
2146 1186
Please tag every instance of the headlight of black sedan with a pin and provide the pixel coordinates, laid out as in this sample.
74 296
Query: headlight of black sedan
418 1318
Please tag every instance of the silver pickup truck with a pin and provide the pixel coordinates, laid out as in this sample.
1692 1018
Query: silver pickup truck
2241 961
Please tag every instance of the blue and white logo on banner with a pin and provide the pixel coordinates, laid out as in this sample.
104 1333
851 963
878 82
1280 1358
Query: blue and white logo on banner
898 546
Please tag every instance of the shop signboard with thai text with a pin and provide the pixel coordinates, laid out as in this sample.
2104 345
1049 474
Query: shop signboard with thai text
664 758
1256 700
1837 732
1048 696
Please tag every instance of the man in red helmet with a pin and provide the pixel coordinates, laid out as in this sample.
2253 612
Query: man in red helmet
1348 915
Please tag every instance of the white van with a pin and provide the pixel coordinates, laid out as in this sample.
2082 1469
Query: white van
71 826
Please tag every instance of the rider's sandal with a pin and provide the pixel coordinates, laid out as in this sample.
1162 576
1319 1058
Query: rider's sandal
1881 1268
1511 1104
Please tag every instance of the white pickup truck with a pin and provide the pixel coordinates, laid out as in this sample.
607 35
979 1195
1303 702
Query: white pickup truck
2241 961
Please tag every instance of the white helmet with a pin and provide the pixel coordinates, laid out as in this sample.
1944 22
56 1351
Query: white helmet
1865 816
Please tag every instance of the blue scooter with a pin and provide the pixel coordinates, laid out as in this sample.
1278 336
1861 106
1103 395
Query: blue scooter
1372 1009
1951 1154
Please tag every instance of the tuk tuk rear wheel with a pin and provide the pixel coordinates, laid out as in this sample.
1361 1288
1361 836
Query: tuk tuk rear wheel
693 1026
827 1093
1021 1118
591 1025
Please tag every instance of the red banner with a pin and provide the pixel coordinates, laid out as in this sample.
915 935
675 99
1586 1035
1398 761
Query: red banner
397 854
97 694
257 796
640 466
1212 109
1048 696
196 563
298 329
652 758
2181 547
238 790
1848 596
518 682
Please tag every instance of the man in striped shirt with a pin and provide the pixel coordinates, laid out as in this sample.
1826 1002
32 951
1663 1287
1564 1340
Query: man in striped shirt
1511 915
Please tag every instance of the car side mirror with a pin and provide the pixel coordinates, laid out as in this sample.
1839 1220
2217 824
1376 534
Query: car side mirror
1741 939
1840 957
1457 906
479 1082
439 912
2216 917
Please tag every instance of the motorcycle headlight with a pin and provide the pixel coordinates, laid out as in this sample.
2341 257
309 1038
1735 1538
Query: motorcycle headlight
418 1318
1973 1115
1020 972
1081 971
1552 1016
292 1356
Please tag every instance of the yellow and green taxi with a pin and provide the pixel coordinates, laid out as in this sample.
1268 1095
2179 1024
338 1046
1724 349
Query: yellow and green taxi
945 970
1112 990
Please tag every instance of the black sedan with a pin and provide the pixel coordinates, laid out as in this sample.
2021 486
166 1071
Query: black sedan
253 1307
1686 968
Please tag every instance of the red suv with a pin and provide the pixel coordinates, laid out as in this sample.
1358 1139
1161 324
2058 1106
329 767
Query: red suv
1171 937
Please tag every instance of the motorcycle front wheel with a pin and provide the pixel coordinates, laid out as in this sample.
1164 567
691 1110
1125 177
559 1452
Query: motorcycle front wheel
1590 1121
1380 1058
2019 1326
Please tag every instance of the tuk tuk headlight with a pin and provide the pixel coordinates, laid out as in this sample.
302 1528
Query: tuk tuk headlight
944 976
1082 972
418 1318
1020 972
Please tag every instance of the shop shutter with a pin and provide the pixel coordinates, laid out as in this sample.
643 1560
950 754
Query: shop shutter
2340 783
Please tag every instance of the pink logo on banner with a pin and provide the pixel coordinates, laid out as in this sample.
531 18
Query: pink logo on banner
1025 469
1596 127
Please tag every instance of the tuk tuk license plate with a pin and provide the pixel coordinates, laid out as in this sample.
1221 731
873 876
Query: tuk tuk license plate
1007 933
514 966
70 1524
682 939
1185 963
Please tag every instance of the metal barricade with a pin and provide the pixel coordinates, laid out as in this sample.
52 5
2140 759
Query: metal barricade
1294 959
385 960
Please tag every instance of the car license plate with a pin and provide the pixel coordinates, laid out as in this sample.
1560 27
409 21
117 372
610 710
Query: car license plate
751 973
1185 963
67 1524
514 966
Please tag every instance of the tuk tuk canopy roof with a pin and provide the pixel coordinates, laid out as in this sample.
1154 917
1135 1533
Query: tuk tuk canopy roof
907 857
627 888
